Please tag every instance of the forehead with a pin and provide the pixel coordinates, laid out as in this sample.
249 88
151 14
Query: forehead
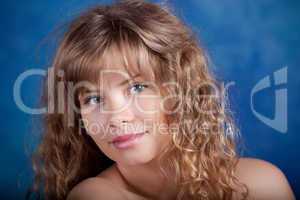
125 62
116 78
117 64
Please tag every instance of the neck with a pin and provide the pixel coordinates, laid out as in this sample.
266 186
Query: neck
148 181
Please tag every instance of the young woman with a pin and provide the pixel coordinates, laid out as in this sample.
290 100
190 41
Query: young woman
137 115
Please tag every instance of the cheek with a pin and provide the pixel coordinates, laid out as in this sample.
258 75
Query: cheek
147 104
162 130
94 123
164 140
149 109
95 126
159 130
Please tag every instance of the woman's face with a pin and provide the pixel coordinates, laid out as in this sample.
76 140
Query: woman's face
124 117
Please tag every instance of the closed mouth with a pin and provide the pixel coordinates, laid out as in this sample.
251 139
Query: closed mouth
126 137
126 141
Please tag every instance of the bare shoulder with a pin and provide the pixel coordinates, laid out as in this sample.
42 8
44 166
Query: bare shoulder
96 188
263 179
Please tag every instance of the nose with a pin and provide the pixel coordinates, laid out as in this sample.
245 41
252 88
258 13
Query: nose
121 117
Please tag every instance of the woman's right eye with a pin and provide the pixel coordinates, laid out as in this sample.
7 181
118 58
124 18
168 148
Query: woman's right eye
92 100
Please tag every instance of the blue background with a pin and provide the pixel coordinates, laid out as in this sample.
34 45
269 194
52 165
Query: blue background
246 40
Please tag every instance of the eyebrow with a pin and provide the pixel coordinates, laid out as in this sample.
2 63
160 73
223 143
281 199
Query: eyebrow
120 84
128 80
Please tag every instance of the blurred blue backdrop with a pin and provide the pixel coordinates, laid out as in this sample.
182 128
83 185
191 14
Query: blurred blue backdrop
246 41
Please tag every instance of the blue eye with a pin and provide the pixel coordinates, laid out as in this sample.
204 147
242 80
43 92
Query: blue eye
137 88
92 100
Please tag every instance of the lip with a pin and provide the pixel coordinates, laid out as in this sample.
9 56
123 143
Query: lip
127 140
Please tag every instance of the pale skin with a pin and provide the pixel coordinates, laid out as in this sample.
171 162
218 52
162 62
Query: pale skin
264 180
134 176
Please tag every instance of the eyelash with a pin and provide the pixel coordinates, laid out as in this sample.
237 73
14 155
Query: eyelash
88 99
138 84
98 98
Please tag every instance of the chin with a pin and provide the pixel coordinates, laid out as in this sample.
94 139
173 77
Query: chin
141 153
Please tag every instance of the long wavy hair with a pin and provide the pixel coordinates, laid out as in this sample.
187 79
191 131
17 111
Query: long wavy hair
203 152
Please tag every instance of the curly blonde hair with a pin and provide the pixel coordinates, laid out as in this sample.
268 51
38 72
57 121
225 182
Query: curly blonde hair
203 152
